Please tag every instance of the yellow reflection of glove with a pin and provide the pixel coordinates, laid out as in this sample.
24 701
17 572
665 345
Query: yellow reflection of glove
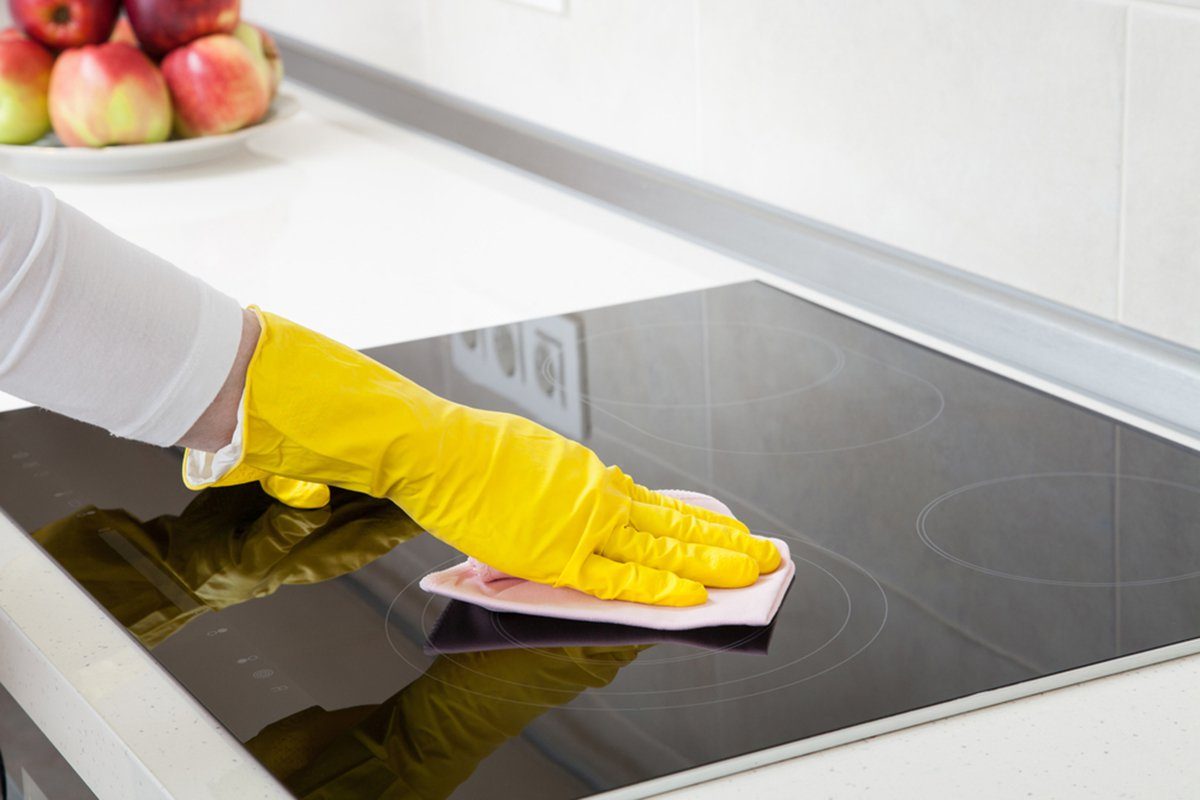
428 739
498 487
227 547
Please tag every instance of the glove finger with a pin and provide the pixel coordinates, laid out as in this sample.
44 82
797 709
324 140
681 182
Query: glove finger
643 495
611 580
664 521
297 494
711 566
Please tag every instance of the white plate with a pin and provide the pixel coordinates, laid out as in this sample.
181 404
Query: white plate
50 155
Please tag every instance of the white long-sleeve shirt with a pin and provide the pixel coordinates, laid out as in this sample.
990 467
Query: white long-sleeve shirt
98 329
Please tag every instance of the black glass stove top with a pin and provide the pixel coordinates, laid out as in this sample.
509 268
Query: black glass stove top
953 531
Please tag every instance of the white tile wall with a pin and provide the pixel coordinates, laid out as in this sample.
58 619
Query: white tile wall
391 34
617 72
1160 286
982 133
620 73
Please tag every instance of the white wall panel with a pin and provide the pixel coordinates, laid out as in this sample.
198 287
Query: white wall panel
988 134
1160 285
389 34
620 73
982 133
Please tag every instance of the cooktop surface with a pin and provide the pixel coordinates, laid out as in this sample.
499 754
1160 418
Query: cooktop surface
953 532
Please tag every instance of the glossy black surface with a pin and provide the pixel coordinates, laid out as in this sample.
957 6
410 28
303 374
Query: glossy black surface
953 531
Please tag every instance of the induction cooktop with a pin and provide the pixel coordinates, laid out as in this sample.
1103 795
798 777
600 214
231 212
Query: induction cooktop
953 531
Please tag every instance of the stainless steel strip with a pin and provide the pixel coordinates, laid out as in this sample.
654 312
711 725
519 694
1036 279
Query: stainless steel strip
1143 376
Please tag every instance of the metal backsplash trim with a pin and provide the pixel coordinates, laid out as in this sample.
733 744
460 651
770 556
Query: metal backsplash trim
1145 377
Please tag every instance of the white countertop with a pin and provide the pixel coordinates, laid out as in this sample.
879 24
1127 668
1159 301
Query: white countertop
334 202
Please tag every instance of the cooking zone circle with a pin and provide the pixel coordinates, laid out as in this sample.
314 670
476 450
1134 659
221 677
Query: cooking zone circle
1083 529
764 390
834 611
799 361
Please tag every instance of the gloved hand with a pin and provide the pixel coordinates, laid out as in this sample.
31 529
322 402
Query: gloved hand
498 487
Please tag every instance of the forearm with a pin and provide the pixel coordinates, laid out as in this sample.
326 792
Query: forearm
98 329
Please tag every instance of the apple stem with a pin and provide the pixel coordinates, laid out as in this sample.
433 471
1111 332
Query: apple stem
62 14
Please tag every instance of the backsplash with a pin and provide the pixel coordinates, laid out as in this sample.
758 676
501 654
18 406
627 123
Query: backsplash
1047 144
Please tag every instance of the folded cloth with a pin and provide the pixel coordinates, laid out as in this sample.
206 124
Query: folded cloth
481 585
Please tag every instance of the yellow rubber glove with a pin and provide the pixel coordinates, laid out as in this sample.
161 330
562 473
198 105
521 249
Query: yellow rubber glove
498 487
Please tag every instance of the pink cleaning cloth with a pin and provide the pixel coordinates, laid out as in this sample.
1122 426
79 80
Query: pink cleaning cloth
481 585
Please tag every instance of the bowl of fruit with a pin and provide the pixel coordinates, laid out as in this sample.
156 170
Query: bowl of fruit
87 89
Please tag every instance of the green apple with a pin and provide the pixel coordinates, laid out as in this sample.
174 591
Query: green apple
24 86
265 52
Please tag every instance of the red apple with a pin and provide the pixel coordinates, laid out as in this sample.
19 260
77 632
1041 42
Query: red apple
123 32
24 83
265 52
163 25
217 86
65 23
108 94
11 33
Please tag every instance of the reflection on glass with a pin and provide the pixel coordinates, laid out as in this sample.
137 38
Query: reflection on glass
233 545
228 546
429 737
463 628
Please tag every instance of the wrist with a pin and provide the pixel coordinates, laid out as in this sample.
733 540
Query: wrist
214 429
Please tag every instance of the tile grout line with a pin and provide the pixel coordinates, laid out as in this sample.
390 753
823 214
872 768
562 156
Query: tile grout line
1123 149
698 138
433 71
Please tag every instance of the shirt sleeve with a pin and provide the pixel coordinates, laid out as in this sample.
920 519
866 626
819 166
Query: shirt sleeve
100 330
